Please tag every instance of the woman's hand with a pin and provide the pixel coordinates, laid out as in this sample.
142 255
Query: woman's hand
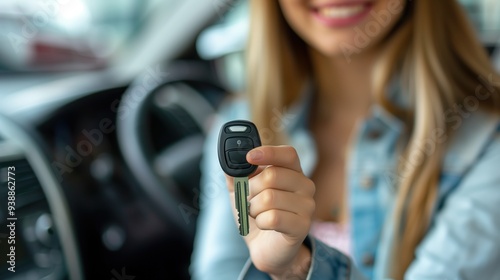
281 209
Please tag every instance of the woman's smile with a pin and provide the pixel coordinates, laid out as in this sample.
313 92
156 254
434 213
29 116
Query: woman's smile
342 14
327 26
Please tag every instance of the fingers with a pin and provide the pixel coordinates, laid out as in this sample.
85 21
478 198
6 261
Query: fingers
280 178
258 171
272 199
282 200
230 180
284 156
264 156
281 196
283 221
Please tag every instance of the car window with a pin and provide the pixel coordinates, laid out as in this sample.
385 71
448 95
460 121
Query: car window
485 15
65 35
61 35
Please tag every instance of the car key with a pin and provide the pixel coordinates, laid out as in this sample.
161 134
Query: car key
236 139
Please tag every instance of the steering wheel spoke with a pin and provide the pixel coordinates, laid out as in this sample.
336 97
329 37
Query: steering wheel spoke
176 112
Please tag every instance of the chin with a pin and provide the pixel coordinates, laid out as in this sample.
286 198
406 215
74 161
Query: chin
340 48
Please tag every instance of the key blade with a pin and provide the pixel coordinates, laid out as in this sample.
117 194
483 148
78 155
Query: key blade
241 203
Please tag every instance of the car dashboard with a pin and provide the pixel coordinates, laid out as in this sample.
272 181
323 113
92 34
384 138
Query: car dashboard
80 212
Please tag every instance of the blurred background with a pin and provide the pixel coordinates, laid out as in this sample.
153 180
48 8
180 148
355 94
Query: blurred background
47 37
69 35
104 107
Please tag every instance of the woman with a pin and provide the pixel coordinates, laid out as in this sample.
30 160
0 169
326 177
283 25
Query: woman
391 112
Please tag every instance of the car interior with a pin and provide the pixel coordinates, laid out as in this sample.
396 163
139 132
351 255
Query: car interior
104 108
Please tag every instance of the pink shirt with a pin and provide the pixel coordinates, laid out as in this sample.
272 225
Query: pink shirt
333 234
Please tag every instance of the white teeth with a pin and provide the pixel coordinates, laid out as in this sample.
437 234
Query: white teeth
341 12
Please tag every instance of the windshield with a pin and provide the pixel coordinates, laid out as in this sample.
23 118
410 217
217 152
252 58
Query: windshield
62 35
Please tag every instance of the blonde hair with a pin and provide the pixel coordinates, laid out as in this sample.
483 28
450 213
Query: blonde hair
440 62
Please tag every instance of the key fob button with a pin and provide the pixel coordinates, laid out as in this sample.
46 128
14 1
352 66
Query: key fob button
240 166
237 159
239 143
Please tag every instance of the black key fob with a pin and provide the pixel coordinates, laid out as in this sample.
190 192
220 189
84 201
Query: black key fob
236 139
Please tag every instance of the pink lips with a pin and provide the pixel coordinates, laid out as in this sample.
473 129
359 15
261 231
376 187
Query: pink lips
341 16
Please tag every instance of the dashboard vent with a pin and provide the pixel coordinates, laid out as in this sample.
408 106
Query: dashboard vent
28 188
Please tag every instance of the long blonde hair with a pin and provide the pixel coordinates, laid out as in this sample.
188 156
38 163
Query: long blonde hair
440 62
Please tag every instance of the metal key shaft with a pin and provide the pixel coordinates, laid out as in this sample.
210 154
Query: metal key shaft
241 202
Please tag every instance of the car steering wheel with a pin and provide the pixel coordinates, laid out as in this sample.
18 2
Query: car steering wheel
165 175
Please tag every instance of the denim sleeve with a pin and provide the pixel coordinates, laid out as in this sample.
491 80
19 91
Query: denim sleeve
326 263
219 251
464 242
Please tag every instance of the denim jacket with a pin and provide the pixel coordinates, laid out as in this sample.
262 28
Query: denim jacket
463 241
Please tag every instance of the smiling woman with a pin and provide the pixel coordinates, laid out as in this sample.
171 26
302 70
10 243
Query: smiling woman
317 23
370 20
369 86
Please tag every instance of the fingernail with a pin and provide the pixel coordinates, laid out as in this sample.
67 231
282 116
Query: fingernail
255 154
